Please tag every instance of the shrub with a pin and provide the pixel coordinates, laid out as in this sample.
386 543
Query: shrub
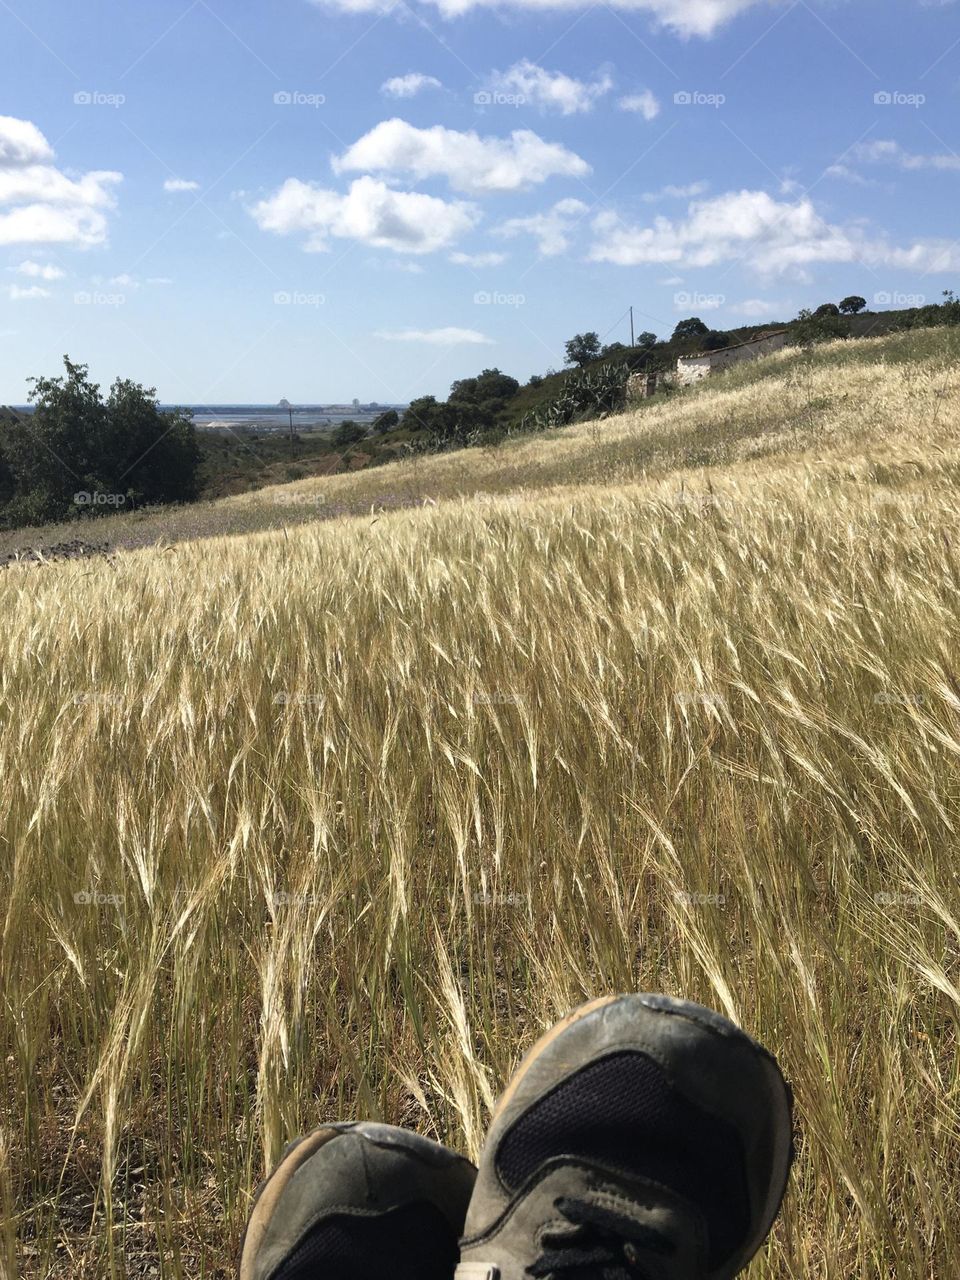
123 450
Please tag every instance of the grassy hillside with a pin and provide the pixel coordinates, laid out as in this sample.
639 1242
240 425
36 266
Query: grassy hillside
840 399
335 817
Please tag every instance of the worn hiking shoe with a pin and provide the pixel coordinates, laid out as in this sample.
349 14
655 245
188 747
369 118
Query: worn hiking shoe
643 1137
359 1202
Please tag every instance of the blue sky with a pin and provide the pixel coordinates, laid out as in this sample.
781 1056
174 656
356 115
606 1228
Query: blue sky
371 198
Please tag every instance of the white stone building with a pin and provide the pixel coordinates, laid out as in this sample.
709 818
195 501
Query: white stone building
691 369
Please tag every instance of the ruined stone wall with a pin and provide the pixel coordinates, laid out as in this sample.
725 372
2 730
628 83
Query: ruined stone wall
691 369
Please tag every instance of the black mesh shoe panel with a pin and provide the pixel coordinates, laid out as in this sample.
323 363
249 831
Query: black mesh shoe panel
623 1113
414 1242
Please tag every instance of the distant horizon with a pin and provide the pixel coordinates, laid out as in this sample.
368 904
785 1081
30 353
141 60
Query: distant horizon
307 405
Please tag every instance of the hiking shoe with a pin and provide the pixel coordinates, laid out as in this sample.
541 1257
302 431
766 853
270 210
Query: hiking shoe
642 1137
359 1202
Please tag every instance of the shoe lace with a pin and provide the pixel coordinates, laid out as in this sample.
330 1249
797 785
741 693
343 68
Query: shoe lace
595 1243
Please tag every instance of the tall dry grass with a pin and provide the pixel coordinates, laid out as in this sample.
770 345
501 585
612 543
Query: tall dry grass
335 820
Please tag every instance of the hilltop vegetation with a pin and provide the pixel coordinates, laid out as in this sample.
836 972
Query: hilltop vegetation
334 818
129 454
791 402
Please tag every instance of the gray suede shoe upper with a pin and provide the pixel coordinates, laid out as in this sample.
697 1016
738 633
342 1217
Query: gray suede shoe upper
645 1137
359 1176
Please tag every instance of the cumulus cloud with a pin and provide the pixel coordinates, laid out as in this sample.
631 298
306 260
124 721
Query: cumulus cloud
449 337
550 90
39 204
772 237
478 259
39 270
645 103
683 17
181 184
551 229
22 143
370 212
468 162
410 85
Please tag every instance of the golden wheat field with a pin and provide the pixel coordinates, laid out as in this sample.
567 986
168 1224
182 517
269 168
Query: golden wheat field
333 819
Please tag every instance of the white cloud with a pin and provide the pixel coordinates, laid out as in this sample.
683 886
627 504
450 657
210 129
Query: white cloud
646 103
671 192
772 237
887 152
848 175
552 229
159 280
468 162
38 203
449 337
759 308
409 85
478 259
22 143
181 184
371 212
550 90
683 17
39 270
18 292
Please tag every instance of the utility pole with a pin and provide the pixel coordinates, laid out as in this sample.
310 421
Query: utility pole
631 326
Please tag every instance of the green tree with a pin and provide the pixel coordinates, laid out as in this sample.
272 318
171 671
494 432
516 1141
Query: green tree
828 309
155 456
646 339
809 328
58 450
7 479
691 328
582 348
490 385
853 305
347 433
114 453
386 421
429 415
